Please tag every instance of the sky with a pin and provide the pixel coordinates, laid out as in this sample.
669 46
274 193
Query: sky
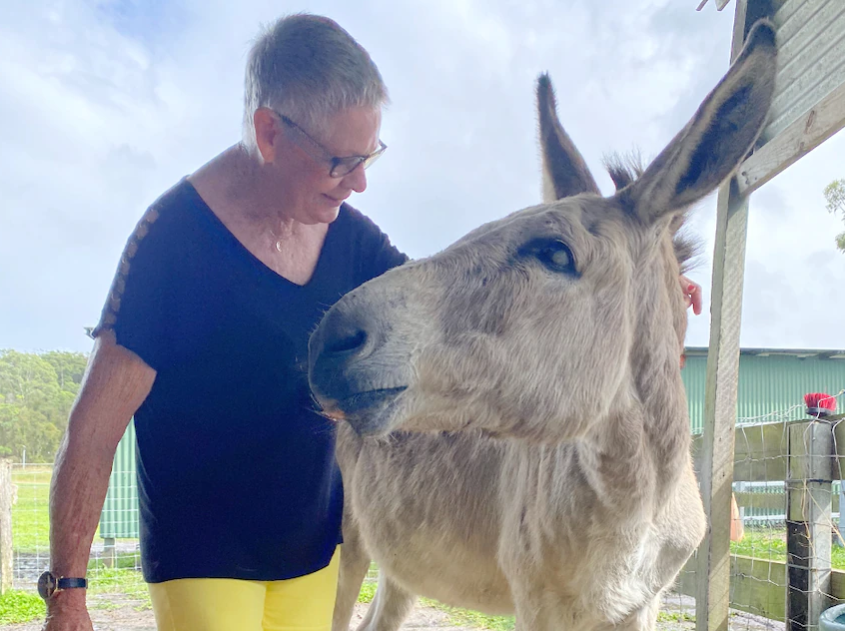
105 104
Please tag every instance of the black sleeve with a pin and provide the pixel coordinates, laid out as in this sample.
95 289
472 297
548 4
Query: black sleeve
384 256
140 299
376 254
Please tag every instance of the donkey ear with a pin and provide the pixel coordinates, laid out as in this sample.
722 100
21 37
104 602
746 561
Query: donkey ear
717 139
564 171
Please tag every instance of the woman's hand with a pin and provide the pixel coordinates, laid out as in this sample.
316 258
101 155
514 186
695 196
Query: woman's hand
692 294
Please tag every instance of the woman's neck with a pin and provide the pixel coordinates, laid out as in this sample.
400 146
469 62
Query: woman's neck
232 186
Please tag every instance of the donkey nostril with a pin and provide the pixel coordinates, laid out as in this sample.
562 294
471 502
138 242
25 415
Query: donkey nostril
347 344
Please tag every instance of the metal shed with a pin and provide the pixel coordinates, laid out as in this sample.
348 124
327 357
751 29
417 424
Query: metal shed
772 382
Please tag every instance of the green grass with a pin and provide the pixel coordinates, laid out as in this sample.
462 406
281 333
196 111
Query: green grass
771 546
675 616
30 515
20 607
118 581
762 544
368 592
466 618
457 617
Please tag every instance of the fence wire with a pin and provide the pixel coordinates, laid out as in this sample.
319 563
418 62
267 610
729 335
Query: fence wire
758 522
785 518
114 565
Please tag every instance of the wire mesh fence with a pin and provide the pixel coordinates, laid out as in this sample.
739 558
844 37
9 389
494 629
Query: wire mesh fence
787 560
758 547
114 564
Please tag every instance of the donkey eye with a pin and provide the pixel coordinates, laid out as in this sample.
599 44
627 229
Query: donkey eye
554 255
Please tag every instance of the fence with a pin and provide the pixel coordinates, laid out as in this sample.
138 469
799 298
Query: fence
784 572
111 568
790 565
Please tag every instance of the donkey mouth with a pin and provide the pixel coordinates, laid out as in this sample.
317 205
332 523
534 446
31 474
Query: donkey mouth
369 413
363 401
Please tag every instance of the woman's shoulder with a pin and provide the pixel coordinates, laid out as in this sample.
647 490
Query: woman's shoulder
173 218
351 219
371 245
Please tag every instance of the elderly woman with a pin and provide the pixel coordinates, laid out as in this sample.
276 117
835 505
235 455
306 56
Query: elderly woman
203 339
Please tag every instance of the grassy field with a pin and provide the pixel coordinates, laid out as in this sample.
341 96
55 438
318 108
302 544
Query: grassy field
30 520
31 513
770 544
20 607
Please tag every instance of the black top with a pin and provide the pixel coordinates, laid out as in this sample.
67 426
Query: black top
236 471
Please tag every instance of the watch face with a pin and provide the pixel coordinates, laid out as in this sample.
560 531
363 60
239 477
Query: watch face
46 585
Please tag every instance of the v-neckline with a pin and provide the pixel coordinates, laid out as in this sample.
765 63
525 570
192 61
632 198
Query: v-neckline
255 260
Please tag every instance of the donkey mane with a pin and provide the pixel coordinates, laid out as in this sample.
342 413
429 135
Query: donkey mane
624 170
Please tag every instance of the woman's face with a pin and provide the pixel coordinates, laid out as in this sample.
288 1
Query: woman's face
301 163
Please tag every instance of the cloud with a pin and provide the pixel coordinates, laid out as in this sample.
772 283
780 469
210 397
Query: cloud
107 104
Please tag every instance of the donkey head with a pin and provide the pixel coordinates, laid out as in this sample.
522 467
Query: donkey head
535 325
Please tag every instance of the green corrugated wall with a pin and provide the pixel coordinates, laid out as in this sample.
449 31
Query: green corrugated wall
119 519
769 386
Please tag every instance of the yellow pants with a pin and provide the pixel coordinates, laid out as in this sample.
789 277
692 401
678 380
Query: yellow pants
305 603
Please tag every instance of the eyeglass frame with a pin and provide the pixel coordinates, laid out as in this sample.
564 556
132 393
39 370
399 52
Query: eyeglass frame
335 162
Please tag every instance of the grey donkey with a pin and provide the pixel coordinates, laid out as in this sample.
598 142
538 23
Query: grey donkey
515 436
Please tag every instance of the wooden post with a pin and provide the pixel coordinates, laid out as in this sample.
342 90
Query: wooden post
808 523
716 481
5 525
714 560
109 552
840 528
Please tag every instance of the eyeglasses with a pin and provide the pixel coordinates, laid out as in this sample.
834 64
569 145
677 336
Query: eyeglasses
338 167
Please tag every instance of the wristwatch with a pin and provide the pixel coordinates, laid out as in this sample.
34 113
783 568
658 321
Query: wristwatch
49 584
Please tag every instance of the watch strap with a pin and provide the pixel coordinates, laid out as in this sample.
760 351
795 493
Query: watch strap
72 583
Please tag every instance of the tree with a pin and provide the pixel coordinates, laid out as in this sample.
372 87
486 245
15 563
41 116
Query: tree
36 394
834 193
69 367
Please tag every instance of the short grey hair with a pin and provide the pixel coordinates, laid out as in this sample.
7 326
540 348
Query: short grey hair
308 68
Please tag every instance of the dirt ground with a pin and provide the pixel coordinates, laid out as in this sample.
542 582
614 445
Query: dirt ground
118 613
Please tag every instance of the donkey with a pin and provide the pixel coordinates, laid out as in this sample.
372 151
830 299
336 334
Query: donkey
516 437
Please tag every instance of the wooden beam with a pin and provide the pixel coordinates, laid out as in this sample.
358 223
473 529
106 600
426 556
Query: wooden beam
773 501
796 141
717 468
720 392
716 472
760 451
758 586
